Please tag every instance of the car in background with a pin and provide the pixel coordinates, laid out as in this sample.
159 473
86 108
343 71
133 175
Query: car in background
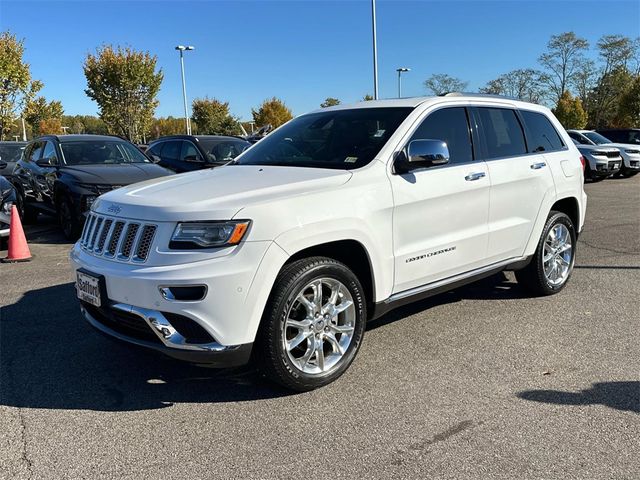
600 162
64 175
10 153
630 153
185 153
630 136
7 199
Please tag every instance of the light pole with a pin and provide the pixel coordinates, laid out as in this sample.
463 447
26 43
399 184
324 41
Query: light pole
400 71
375 50
187 122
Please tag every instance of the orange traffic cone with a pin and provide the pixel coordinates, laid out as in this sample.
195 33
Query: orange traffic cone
18 248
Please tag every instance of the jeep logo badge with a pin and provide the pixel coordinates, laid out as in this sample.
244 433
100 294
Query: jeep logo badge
113 208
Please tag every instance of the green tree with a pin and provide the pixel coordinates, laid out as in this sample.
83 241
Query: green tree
84 124
606 97
564 55
628 114
213 117
330 102
570 113
124 83
441 83
50 126
272 112
16 85
39 110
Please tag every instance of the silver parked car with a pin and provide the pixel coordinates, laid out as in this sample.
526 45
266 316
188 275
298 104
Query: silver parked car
601 162
630 153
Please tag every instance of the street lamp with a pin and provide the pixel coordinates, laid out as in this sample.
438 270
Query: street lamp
400 71
187 122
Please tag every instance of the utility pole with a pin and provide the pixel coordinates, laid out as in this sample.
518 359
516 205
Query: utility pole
375 50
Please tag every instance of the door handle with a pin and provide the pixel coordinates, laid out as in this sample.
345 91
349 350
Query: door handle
474 176
538 166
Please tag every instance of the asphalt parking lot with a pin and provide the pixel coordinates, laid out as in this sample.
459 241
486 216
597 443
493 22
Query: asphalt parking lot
482 382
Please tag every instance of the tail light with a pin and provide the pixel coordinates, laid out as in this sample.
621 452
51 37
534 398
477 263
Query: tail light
583 161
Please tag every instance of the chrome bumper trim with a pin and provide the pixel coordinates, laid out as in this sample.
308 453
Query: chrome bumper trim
158 323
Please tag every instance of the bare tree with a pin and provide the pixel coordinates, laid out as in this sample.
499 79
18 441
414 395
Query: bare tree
524 84
565 53
615 51
441 83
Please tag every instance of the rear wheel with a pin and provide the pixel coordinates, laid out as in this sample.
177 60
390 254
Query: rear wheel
28 214
552 263
313 324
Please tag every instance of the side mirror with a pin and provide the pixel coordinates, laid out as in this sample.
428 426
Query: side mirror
47 162
193 159
154 158
423 154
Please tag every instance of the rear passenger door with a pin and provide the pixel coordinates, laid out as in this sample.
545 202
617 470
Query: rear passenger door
170 155
520 179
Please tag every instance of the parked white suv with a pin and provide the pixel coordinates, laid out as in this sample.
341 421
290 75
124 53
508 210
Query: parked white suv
333 219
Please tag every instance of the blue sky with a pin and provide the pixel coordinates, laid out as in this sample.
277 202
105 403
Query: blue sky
300 51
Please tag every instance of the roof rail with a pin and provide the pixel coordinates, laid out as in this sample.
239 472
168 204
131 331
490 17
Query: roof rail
480 95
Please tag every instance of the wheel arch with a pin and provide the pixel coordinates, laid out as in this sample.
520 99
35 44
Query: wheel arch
570 207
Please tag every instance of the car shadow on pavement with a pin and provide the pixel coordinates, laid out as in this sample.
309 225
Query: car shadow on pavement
618 395
51 358
495 287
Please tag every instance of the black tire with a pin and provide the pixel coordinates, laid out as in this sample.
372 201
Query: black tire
629 173
28 214
271 356
532 277
68 222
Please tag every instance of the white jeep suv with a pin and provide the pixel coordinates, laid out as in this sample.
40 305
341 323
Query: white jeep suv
330 221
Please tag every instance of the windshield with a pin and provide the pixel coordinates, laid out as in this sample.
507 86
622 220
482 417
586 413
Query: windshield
225 150
101 152
340 139
596 138
11 153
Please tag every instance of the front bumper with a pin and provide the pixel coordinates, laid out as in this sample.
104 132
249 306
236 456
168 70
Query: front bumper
5 221
226 316
170 342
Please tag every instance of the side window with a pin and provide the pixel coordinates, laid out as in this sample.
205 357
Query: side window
451 126
155 149
50 152
543 137
578 138
502 132
34 152
171 150
190 153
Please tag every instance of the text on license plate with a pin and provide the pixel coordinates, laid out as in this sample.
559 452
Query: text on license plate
88 288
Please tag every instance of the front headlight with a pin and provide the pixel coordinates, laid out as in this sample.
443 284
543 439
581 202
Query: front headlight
208 234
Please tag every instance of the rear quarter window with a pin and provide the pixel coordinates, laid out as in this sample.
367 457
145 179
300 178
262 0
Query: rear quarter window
541 134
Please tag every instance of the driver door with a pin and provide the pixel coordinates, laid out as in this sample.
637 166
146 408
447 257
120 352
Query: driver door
440 219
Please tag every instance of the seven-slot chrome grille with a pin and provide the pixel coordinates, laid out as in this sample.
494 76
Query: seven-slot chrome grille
120 239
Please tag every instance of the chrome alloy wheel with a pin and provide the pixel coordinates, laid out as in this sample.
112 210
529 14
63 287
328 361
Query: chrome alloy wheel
319 326
557 256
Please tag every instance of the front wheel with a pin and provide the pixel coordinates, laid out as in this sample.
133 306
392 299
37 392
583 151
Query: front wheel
552 263
313 324
70 225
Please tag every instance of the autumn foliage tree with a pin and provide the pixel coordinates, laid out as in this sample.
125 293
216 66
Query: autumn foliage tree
213 117
124 83
16 84
272 112
570 113
43 116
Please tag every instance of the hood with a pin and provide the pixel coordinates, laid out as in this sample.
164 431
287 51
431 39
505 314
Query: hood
215 194
597 148
624 147
116 173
